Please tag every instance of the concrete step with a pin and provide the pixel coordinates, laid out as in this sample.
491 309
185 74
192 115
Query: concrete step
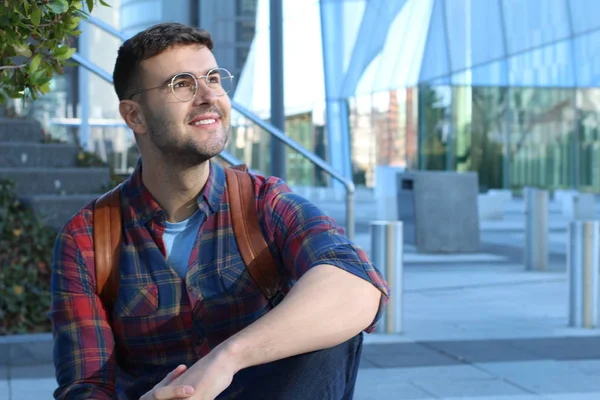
20 130
23 154
56 210
34 181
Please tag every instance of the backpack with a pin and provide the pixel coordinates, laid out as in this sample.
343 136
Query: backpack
255 252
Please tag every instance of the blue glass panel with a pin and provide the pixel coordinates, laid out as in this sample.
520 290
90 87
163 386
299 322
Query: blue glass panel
531 23
371 39
439 81
489 74
476 28
435 58
587 59
136 16
548 66
585 15
399 63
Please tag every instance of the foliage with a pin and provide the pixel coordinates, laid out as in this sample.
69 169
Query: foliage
487 130
433 150
114 181
25 258
89 159
36 40
51 139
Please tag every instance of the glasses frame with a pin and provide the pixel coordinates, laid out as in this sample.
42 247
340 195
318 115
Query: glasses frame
171 83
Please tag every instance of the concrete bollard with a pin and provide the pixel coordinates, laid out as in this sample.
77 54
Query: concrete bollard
583 264
536 229
386 253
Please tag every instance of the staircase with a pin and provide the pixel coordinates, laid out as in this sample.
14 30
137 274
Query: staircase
45 174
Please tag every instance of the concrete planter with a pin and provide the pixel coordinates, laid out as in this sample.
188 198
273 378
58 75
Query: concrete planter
26 349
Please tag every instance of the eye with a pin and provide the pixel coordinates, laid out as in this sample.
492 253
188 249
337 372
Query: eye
183 83
214 79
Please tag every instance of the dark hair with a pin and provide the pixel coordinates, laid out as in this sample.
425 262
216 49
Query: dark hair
149 43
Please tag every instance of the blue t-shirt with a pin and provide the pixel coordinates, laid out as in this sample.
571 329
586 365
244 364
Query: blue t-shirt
179 240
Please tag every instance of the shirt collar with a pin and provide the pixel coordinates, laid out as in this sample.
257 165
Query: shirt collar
144 207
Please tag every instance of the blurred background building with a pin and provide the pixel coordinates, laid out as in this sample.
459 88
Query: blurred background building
506 88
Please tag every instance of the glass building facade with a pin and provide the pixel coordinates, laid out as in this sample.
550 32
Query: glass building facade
506 88
519 105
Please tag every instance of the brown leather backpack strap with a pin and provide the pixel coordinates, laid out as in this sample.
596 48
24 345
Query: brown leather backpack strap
249 236
108 235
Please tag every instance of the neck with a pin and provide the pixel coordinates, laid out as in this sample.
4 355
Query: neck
175 188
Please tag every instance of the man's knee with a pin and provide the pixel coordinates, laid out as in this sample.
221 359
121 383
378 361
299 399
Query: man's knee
324 374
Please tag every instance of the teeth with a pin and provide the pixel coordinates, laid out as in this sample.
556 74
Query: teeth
205 121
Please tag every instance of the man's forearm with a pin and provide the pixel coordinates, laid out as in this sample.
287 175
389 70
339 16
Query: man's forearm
326 307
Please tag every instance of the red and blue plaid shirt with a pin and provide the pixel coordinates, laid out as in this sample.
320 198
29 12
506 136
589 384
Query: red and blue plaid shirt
160 320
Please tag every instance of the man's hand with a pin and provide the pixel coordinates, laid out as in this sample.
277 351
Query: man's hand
163 391
210 376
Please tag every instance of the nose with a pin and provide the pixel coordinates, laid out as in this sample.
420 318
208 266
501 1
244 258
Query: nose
204 95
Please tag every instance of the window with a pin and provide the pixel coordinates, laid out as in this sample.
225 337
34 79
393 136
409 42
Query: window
245 31
246 7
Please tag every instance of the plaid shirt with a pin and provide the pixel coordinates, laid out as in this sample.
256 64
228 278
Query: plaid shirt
160 320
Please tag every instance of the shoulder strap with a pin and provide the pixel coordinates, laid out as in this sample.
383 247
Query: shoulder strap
248 234
246 228
107 245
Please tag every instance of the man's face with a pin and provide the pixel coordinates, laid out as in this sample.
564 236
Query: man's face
184 132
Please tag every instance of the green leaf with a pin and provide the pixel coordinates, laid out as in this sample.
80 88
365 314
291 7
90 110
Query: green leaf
14 18
90 5
36 15
59 31
35 63
59 6
73 23
4 19
17 12
59 51
67 54
37 77
45 88
22 49
105 4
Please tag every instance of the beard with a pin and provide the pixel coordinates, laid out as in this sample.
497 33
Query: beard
185 150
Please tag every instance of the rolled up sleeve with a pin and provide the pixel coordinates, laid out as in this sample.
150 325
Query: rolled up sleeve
305 237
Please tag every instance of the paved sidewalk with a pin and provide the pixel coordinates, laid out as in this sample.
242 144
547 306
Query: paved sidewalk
502 334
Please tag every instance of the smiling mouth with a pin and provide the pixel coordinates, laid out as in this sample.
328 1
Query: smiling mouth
207 121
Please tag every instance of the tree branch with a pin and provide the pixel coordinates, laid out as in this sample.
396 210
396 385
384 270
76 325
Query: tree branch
12 66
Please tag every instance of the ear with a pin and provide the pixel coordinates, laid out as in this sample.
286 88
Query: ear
133 116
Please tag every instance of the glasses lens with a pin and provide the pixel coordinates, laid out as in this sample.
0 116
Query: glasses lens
219 80
184 86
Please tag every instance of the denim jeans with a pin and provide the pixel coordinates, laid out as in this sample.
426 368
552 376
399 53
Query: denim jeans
328 374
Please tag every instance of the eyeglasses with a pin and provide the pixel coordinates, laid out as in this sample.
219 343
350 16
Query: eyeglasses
185 85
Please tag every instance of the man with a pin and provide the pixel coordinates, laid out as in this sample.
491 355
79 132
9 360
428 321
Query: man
188 321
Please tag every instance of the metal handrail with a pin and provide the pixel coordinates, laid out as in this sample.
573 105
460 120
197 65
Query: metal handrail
272 130
316 160
106 27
